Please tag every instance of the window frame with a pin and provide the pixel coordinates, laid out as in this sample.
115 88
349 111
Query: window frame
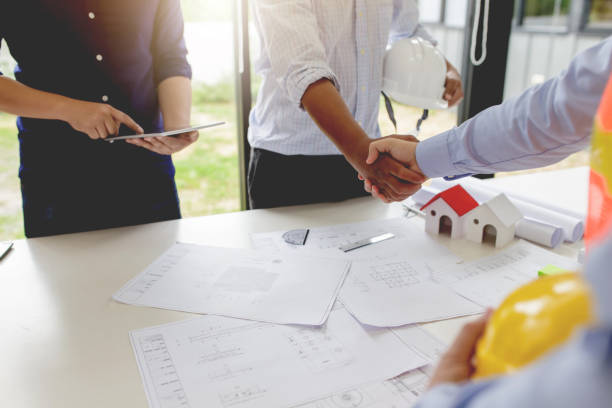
519 21
577 22
244 99
584 21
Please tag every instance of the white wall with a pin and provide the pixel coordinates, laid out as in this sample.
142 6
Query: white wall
532 57
456 11
536 57
430 10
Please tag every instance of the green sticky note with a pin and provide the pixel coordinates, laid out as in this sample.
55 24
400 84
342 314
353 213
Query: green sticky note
550 270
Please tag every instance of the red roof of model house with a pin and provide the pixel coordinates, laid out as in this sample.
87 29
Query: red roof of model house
457 198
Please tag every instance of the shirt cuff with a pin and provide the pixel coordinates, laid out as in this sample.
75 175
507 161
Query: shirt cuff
173 68
433 156
298 83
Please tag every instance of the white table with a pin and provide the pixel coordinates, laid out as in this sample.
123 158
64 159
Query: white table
64 342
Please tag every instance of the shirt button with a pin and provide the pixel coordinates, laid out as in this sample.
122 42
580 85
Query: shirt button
105 98
362 51
99 57
363 88
91 15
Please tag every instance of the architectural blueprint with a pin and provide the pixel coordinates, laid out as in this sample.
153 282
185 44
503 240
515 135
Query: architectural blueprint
266 286
217 362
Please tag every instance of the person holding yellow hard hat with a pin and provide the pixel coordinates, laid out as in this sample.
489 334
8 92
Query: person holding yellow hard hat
550 343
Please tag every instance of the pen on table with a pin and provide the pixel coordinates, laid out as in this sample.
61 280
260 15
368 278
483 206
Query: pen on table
5 247
367 241
413 210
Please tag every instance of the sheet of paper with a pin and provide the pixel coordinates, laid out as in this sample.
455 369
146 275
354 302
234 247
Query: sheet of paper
488 281
399 392
216 362
266 286
399 290
421 342
326 240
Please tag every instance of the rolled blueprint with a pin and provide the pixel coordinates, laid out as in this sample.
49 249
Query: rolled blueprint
539 232
573 228
529 229
425 194
523 197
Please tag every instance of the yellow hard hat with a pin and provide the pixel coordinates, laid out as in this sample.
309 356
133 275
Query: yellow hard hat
533 320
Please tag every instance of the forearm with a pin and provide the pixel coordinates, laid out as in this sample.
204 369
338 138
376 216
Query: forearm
21 100
175 102
329 111
513 136
542 126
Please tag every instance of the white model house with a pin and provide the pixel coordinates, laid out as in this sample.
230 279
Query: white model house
456 212
496 219
445 210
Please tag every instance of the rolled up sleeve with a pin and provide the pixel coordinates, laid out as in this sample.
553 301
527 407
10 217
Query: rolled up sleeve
291 40
406 22
169 50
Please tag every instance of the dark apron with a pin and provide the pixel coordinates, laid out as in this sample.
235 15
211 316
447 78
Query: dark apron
72 184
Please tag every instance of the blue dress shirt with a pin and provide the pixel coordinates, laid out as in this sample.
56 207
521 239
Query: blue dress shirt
105 51
540 127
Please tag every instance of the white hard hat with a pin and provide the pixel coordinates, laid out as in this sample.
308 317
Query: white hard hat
415 74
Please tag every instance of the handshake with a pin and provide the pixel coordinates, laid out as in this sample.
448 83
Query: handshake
390 171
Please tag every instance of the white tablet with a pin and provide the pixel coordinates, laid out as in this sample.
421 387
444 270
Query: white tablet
164 134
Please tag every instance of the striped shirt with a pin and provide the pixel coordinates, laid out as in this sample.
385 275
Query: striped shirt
303 41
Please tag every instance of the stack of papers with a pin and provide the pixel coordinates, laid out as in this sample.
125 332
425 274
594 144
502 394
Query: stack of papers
361 351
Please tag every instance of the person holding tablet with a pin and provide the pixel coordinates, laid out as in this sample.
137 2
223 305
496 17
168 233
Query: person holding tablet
85 70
